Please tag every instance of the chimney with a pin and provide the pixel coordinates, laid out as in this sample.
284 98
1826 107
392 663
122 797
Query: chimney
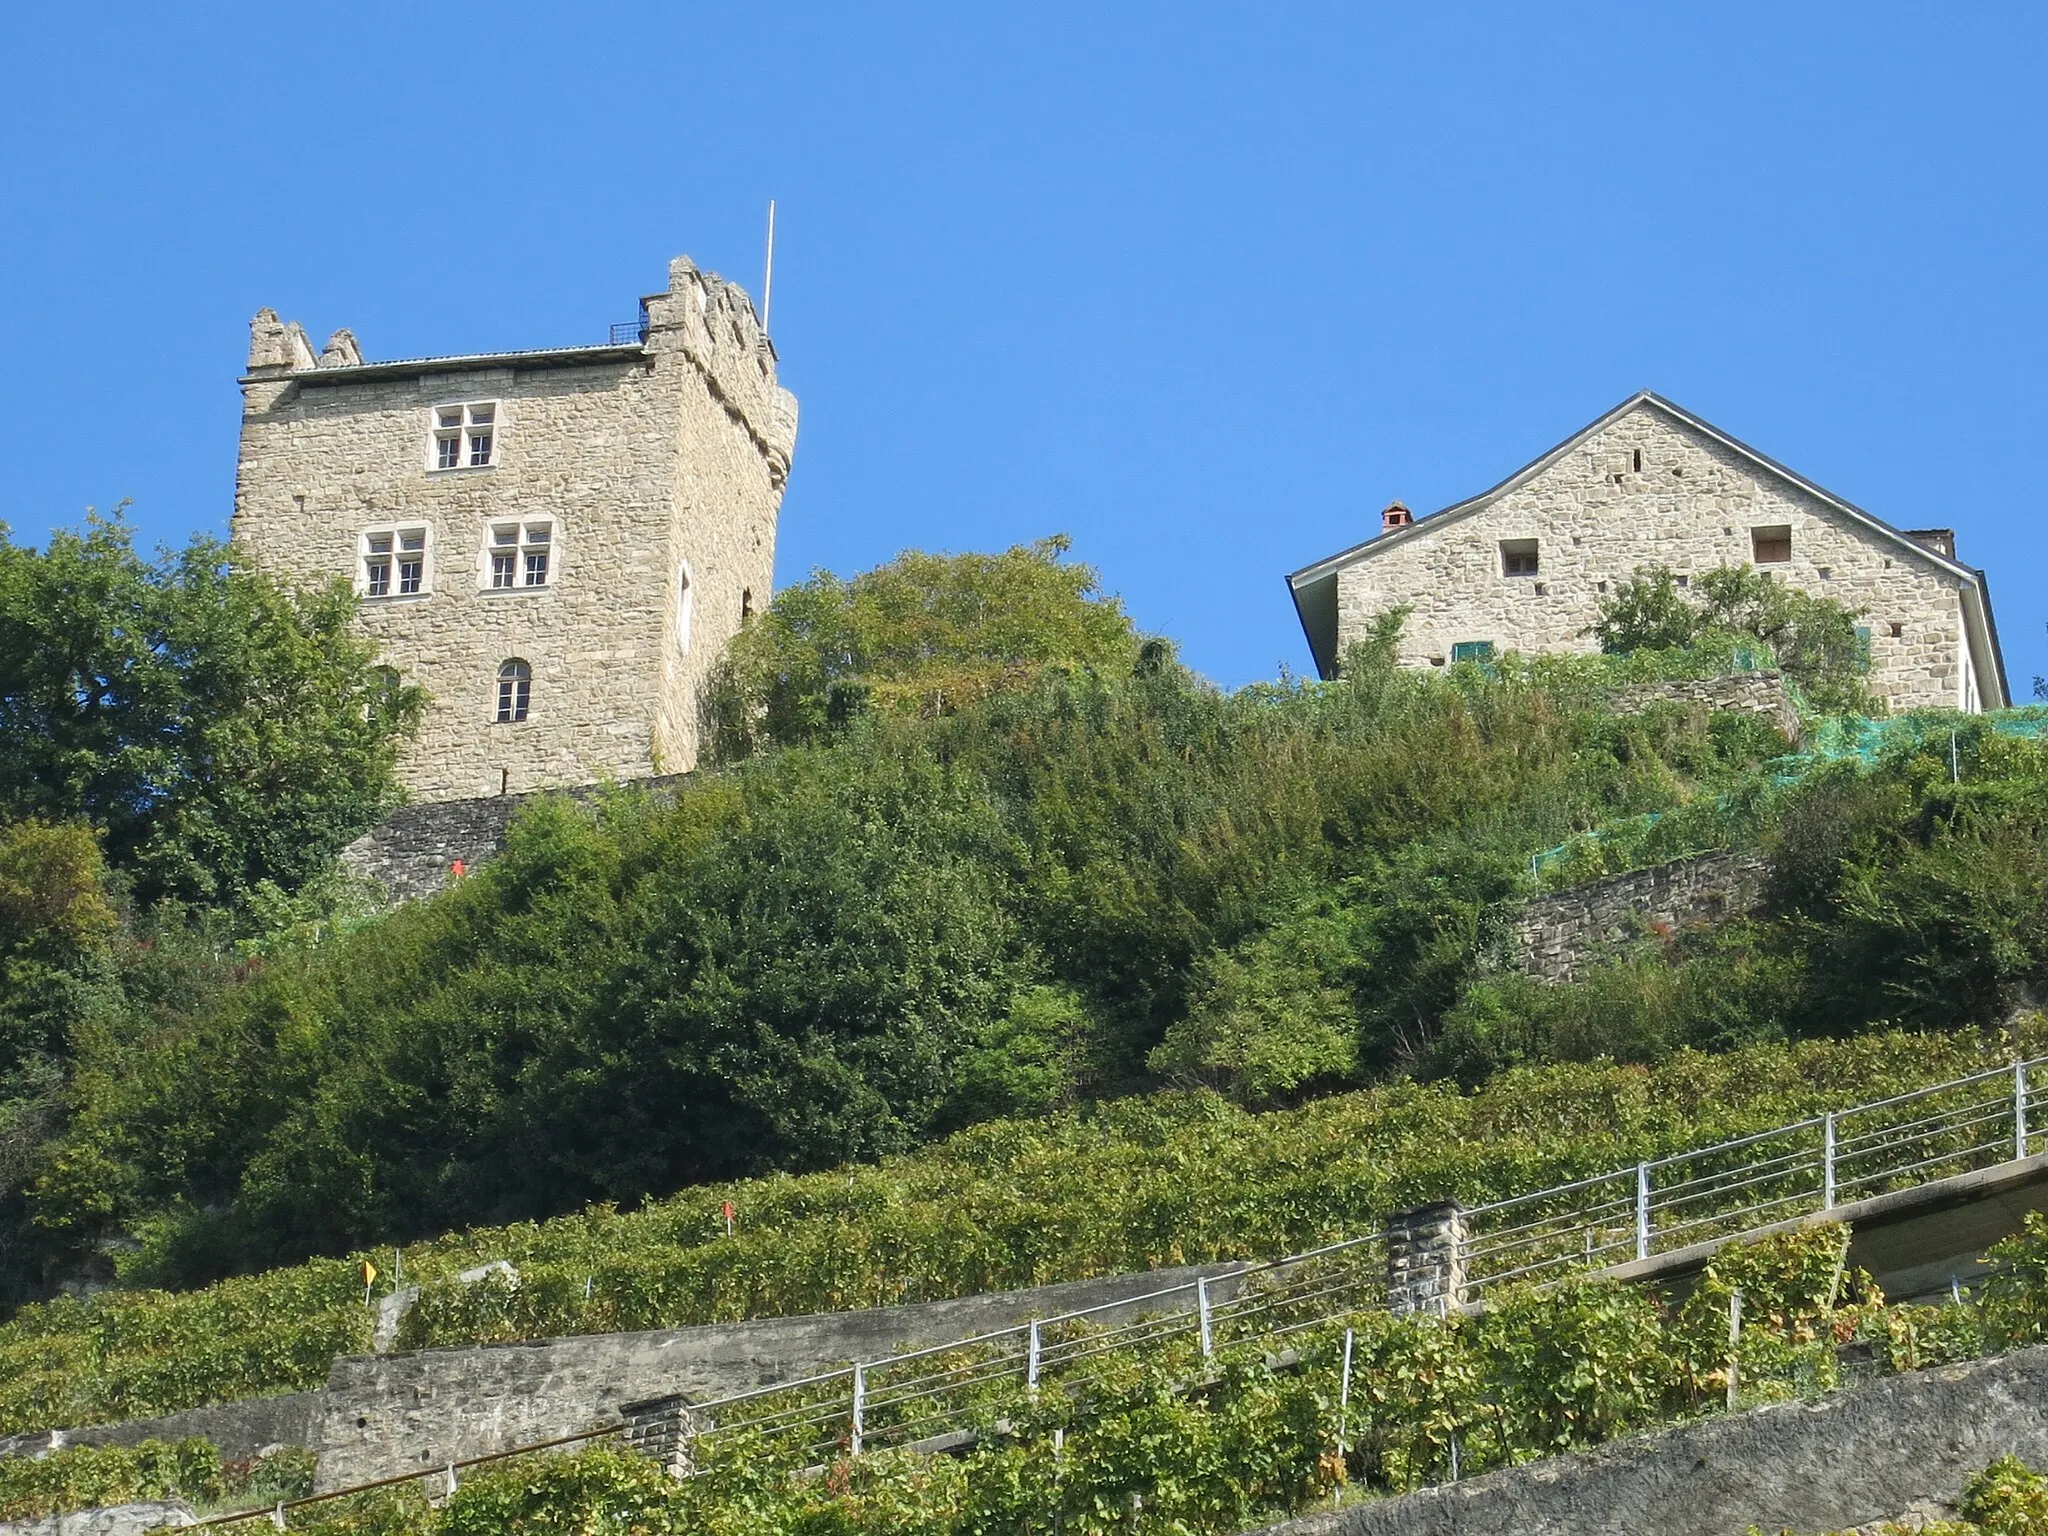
1395 516
1941 540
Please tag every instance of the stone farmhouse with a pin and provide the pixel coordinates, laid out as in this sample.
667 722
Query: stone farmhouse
557 544
1525 565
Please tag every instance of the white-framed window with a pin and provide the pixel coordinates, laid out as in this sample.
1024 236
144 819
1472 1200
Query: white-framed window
521 554
395 560
515 691
464 435
686 602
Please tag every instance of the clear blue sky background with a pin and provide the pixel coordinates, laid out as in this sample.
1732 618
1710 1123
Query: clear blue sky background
1203 286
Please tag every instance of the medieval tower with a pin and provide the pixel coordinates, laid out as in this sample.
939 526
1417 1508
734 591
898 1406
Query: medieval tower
555 544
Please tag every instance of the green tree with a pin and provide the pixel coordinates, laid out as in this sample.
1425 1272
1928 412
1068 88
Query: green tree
924 634
1813 639
217 729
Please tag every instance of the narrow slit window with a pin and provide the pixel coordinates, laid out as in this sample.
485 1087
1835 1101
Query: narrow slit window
515 691
412 561
1771 546
538 537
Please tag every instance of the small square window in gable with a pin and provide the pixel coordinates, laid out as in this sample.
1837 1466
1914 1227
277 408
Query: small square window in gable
1772 545
1518 557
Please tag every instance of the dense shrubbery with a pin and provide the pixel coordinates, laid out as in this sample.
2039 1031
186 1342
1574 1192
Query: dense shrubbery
984 855
1143 1182
1814 639
184 746
836 951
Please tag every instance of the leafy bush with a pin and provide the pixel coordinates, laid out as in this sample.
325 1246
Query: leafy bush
1813 639
1061 892
922 635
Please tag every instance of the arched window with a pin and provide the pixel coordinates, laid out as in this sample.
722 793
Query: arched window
384 681
686 600
515 691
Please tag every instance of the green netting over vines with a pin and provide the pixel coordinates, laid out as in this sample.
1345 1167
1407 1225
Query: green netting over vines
1635 842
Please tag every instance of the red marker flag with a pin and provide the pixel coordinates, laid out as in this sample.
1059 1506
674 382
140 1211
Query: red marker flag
728 1218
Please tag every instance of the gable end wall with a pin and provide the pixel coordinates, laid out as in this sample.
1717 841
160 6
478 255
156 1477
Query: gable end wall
1691 507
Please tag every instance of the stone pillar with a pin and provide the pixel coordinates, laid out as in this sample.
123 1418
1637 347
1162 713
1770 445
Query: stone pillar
1426 1259
664 1429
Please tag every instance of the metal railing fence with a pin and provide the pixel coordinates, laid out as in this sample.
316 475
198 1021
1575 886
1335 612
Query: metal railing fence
1660 1205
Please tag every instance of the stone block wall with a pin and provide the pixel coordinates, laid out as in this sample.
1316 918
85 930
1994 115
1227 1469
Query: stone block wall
1651 489
1762 694
413 852
1557 935
240 1430
1857 1456
382 1415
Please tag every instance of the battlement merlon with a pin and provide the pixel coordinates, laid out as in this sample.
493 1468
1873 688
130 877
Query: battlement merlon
700 317
712 322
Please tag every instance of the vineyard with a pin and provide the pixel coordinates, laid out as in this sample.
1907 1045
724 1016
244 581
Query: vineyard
1365 1406
1132 1186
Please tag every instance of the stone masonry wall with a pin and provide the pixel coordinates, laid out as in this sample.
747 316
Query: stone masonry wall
239 1430
654 460
1557 935
412 853
1691 506
1856 1456
382 1415
1762 694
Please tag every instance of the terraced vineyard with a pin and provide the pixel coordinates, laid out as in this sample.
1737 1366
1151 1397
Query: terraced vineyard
1167 1180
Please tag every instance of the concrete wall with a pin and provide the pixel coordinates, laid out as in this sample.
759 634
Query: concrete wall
1860 1455
1557 935
386 1414
1691 506
652 459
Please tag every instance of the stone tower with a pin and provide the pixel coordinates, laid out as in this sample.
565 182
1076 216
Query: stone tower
556 544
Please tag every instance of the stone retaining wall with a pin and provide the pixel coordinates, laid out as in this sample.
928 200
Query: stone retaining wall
386 1414
413 852
1762 694
240 1430
1557 935
1860 1455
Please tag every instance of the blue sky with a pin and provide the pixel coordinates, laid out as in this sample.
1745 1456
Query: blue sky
1202 286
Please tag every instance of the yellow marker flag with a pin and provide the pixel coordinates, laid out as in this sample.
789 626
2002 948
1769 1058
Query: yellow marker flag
369 1272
